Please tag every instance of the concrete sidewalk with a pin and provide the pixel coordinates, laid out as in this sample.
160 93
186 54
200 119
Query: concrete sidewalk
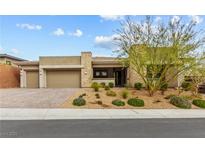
43 114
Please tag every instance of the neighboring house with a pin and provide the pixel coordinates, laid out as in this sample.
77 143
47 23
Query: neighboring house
9 60
76 71
9 71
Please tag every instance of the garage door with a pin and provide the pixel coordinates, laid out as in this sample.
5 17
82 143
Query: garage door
32 79
63 79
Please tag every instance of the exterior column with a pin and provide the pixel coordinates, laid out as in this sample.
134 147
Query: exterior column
42 78
23 78
87 70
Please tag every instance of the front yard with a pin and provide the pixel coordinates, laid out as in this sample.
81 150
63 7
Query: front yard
158 101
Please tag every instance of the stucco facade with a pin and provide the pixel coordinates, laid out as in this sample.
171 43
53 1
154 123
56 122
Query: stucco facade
86 67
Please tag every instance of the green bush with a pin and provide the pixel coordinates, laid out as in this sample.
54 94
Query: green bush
118 102
102 84
180 102
82 95
186 86
163 87
199 102
135 102
95 86
125 94
169 96
79 101
107 87
111 84
111 93
97 95
187 97
138 85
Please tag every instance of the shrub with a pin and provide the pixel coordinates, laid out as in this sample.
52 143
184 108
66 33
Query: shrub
169 96
111 93
102 84
79 101
82 95
118 102
138 85
187 97
180 102
163 87
135 102
125 94
97 95
186 86
95 86
199 102
111 84
107 87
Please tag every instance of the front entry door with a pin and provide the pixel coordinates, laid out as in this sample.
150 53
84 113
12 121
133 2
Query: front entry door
118 77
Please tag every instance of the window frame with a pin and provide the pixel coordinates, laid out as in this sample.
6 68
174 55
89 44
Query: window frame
101 74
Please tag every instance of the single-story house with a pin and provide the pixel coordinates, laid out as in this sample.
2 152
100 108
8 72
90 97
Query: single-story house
76 71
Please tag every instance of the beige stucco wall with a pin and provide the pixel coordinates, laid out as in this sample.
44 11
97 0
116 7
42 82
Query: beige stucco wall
60 60
133 77
169 76
87 70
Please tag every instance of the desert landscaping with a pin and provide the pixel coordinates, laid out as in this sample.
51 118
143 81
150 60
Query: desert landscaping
99 99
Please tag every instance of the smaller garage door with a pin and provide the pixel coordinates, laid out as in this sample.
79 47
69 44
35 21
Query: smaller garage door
32 79
63 78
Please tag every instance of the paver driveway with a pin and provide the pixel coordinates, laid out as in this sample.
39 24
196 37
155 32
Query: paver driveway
34 98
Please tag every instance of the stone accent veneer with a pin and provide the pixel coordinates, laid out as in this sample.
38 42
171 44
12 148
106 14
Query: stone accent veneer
86 71
133 77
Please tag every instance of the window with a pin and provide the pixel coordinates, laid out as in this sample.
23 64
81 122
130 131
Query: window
100 74
8 62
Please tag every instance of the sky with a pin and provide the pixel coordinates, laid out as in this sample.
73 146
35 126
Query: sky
29 37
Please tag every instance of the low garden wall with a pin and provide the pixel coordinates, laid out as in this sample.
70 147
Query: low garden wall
9 76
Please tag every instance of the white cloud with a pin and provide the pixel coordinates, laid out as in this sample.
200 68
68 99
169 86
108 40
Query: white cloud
175 19
29 26
59 32
112 17
77 33
106 42
196 19
14 51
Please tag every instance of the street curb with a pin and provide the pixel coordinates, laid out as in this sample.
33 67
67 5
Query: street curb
52 114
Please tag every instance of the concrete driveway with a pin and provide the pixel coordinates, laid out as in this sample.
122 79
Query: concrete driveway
34 98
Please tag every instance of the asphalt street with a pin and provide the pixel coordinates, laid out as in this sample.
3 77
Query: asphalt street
115 128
